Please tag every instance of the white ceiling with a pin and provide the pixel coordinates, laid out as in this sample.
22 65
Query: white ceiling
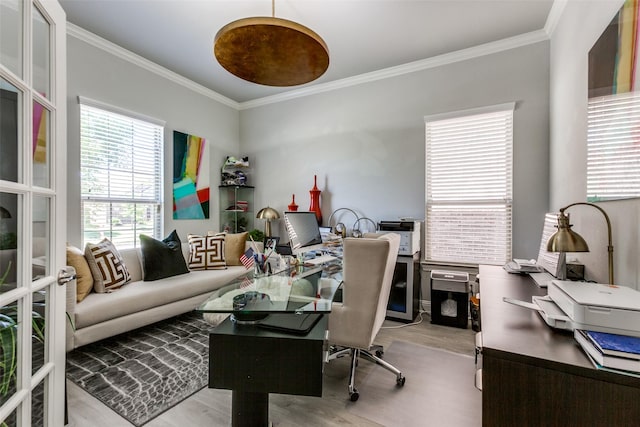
362 35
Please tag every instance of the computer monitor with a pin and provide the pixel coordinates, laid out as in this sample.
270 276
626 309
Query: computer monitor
303 230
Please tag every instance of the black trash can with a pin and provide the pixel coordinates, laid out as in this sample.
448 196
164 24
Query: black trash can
450 298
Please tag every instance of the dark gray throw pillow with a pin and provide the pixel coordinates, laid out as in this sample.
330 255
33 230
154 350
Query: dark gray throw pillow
162 259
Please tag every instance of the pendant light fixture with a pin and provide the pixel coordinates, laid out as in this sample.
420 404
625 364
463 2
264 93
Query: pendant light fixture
271 51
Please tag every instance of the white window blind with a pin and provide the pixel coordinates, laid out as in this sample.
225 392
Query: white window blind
613 147
469 186
121 176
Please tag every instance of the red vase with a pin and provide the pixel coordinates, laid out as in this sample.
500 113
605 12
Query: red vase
293 207
315 200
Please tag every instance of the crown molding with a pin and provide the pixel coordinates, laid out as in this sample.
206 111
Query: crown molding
411 67
97 41
554 16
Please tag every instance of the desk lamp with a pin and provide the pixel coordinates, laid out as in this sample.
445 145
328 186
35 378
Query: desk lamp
566 240
268 214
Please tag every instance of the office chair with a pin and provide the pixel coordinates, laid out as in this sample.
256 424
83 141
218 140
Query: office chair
368 266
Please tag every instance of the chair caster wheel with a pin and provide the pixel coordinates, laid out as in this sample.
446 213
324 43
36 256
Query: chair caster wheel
354 396
400 381
379 353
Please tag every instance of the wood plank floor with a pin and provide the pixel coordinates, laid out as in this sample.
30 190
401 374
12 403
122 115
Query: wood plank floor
213 407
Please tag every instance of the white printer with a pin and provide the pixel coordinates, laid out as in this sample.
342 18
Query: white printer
409 232
591 306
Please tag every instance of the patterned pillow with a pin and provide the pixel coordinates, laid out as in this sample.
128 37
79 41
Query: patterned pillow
206 252
107 266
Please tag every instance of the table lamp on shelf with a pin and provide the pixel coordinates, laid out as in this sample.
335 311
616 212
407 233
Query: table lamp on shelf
268 214
567 240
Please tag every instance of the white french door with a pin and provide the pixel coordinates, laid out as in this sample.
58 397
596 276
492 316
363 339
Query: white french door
32 212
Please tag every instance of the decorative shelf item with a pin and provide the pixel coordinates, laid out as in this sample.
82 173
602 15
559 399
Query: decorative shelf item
234 171
340 228
236 208
315 200
292 206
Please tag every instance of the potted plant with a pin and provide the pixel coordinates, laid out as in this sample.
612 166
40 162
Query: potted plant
9 341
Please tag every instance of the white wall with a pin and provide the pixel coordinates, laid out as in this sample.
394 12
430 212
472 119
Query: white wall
96 74
366 142
578 28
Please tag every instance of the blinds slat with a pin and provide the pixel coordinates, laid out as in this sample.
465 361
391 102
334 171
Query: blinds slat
613 147
469 188
121 176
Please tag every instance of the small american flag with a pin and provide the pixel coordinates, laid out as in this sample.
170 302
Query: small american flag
247 258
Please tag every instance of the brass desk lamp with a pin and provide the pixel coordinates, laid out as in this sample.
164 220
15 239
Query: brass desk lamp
566 240
268 214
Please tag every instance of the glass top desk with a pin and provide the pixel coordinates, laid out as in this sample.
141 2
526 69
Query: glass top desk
299 290
247 356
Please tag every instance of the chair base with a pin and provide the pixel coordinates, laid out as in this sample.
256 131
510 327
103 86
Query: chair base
373 354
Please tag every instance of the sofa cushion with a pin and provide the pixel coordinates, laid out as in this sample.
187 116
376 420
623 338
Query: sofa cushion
107 266
140 296
162 259
234 244
84 278
206 252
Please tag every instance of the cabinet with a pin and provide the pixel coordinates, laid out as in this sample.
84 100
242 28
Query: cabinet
236 208
404 296
533 375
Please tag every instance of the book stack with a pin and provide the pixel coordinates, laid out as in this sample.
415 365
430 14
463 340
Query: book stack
611 351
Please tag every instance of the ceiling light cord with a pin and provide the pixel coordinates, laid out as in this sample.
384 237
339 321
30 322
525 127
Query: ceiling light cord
273 8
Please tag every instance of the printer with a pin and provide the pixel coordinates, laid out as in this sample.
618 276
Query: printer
591 306
409 232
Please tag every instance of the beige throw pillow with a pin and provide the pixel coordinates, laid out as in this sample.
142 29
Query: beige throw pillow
206 252
107 266
84 279
234 245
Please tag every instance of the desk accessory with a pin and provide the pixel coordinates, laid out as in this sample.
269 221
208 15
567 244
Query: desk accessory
566 240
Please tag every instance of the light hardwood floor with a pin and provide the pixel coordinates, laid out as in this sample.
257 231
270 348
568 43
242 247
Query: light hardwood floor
211 407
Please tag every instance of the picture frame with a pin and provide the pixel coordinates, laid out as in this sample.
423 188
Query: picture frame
270 243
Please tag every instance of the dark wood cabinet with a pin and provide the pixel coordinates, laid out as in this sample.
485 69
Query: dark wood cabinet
533 375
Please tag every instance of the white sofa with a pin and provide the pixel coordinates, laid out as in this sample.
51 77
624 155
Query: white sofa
140 303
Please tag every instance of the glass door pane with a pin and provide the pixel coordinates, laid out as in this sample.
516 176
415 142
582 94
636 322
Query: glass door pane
41 145
10 242
10 109
41 53
11 38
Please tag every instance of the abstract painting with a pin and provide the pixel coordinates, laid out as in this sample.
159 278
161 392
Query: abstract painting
190 177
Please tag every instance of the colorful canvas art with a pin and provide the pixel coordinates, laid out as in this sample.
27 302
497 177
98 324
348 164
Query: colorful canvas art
191 193
613 59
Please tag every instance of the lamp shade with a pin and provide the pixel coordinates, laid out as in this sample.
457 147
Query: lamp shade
565 239
267 214
271 51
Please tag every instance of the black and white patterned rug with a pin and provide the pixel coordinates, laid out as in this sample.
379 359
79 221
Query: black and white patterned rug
142 373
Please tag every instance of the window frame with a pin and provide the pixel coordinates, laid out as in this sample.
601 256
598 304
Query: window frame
490 205
155 202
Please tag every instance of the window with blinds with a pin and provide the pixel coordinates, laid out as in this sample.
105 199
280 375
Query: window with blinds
613 147
121 176
469 186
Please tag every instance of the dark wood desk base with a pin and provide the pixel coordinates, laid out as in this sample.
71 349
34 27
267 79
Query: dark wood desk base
254 362
533 375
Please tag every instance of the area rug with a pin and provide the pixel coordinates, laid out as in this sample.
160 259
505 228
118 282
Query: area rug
439 389
145 372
